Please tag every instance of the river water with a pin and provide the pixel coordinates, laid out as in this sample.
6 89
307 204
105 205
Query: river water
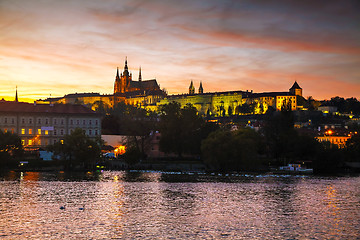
154 205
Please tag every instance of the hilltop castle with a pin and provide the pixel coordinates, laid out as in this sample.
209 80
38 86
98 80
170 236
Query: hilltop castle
147 94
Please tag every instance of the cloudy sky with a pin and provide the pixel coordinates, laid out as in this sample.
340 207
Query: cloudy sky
59 47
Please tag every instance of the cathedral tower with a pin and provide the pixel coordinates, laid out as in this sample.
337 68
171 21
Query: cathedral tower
191 88
201 90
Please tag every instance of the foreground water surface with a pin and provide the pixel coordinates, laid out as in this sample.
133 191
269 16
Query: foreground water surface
154 205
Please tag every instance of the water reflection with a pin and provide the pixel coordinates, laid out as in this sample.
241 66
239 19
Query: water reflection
128 205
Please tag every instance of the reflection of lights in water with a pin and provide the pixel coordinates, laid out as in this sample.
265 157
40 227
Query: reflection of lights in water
333 209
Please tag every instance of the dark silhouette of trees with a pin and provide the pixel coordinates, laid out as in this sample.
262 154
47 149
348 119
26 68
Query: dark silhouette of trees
180 129
232 150
10 148
77 149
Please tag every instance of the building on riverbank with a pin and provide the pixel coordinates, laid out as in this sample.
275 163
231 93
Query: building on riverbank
39 125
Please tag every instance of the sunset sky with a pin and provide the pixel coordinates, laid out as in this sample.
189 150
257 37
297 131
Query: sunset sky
59 47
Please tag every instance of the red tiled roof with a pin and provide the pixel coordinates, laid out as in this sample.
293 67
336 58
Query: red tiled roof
22 107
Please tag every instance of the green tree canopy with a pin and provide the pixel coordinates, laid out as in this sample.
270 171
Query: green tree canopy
232 150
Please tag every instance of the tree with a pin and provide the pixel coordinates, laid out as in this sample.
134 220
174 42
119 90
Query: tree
10 148
77 149
232 150
180 129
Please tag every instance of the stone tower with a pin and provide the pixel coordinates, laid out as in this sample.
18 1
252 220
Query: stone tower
122 82
296 89
201 90
191 88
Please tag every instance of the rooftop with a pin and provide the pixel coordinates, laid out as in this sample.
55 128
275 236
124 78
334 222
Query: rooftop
22 107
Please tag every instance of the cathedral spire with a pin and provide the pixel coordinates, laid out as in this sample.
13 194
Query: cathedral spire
16 96
191 88
117 73
201 90
140 78
126 67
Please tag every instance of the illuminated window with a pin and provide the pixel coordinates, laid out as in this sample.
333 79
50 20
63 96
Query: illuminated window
46 132
30 131
39 142
23 131
39 131
23 142
30 142
62 141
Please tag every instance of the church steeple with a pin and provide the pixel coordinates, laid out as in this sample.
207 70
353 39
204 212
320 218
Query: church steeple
126 67
201 90
140 78
16 96
191 88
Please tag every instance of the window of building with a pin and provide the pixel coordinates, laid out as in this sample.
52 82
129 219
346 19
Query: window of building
55 132
5 120
23 131
89 122
30 121
61 132
30 142
62 141
71 122
39 120
62 121
46 132
96 122
30 131
46 121
77 122
96 132
39 142
84 122
90 132
23 120
55 121
54 141
22 142
39 131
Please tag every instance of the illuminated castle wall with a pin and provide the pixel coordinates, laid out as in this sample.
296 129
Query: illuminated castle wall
228 103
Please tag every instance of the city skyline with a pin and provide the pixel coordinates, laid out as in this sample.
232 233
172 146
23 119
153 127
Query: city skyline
62 47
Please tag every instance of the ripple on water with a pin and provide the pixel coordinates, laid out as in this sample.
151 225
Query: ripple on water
143 205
